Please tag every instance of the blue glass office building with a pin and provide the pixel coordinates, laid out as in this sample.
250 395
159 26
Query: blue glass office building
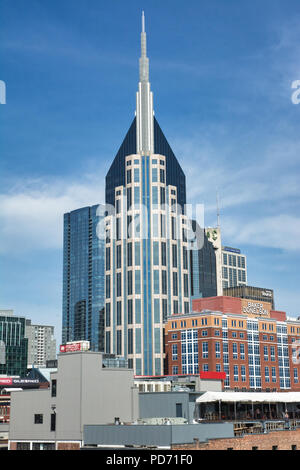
83 277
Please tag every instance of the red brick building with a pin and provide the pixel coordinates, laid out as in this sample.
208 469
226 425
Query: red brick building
4 408
253 345
276 440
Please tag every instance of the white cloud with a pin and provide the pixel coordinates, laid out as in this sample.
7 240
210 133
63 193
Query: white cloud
31 215
265 182
279 231
240 176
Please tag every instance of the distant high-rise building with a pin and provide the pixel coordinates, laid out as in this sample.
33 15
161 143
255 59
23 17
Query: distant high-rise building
231 264
41 344
234 267
13 344
203 274
214 236
83 277
259 294
147 276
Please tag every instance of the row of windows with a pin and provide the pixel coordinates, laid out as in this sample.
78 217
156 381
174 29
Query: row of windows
269 353
159 283
234 274
254 379
254 375
135 228
234 260
281 339
154 161
133 176
130 342
160 306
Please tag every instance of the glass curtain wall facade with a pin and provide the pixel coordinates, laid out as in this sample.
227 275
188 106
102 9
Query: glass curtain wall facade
203 275
13 345
83 277
146 264
146 251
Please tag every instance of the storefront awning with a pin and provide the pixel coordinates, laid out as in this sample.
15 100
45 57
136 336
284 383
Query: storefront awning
250 397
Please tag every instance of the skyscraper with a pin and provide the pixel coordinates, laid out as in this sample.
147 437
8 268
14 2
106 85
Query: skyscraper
203 275
146 277
83 277
231 263
13 344
41 344
234 267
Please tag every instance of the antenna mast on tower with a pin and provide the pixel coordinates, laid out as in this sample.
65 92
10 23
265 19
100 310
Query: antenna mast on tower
218 211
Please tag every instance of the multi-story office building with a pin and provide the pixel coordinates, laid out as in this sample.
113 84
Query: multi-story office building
231 264
252 293
203 273
83 277
147 275
234 267
41 344
255 346
13 344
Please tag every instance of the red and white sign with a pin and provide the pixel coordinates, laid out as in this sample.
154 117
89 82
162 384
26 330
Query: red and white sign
75 346
14 381
7 381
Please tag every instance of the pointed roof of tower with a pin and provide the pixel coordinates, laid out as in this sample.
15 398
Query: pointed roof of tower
144 136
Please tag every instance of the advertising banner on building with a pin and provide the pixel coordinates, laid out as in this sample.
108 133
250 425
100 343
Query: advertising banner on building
12 382
255 308
76 346
22 382
6 381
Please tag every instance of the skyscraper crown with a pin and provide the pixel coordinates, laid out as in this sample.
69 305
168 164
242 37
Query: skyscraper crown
144 137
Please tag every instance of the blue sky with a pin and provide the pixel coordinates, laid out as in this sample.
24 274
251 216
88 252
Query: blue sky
221 73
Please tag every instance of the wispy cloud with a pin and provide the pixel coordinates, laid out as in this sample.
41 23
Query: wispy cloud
32 215
279 231
32 212
242 177
259 191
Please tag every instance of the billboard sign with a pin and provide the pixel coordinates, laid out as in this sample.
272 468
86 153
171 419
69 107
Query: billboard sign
255 308
75 346
25 381
6 381
12 382
232 250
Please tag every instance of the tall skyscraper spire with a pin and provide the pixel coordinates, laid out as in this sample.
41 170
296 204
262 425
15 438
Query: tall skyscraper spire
143 22
144 102
144 61
218 210
146 258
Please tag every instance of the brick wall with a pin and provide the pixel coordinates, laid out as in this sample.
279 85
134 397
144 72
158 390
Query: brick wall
68 446
280 316
284 440
222 304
